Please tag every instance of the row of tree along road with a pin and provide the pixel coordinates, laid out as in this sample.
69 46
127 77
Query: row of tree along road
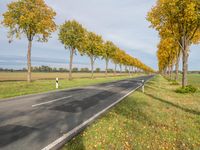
35 20
178 24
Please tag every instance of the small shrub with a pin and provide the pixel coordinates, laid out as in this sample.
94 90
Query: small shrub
174 83
187 89
167 78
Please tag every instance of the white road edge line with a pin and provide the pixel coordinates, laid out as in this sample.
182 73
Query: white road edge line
62 98
65 136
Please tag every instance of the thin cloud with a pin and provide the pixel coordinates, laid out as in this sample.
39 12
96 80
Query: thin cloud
122 22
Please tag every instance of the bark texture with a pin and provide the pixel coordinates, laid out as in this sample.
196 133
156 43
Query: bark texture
177 66
185 47
107 67
70 64
29 61
92 66
115 69
120 68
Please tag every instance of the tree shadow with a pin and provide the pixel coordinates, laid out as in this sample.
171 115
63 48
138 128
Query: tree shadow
133 106
153 87
75 143
150 87
12 133
72 142
194 112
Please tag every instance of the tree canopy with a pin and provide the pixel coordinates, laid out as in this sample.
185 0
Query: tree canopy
30 17
72 35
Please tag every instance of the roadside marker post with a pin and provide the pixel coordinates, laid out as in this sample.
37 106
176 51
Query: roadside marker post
56 83
143 86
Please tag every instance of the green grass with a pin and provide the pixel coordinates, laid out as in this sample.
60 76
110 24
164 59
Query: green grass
158 119
18 88
194 79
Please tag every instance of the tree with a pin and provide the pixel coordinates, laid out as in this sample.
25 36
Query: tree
97 70
92 48
110 70
32 18
84 70
72 36
120 56
116 59
182 19
109 50
178 56
172 41
167 54
75 69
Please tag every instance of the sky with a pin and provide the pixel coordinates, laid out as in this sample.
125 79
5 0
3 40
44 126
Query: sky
120 21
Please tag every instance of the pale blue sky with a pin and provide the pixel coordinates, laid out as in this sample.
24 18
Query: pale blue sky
122 22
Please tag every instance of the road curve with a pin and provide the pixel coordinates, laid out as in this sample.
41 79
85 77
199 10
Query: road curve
48 120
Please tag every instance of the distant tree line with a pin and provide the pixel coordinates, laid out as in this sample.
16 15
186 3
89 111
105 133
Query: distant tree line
75 69
194 72
53 69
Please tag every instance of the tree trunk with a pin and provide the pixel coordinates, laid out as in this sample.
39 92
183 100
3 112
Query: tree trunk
168 71
115 69
136 69
185 62
184 75
185 68
92 66
70 64
177 67
165 72
120 68
129 71
29 61
133 69
107 67
171 71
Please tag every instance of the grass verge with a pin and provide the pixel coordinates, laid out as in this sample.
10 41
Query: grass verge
158 119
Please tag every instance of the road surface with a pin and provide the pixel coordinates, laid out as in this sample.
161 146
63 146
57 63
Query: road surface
46 121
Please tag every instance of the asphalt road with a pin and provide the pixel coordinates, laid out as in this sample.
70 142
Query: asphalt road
42 121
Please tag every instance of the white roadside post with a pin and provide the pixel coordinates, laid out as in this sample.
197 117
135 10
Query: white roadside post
56 83
143 86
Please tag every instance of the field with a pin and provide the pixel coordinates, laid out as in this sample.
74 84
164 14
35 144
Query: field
158 119
21 76
16 88
194 79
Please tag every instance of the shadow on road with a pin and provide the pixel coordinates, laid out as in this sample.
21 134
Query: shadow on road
12 133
